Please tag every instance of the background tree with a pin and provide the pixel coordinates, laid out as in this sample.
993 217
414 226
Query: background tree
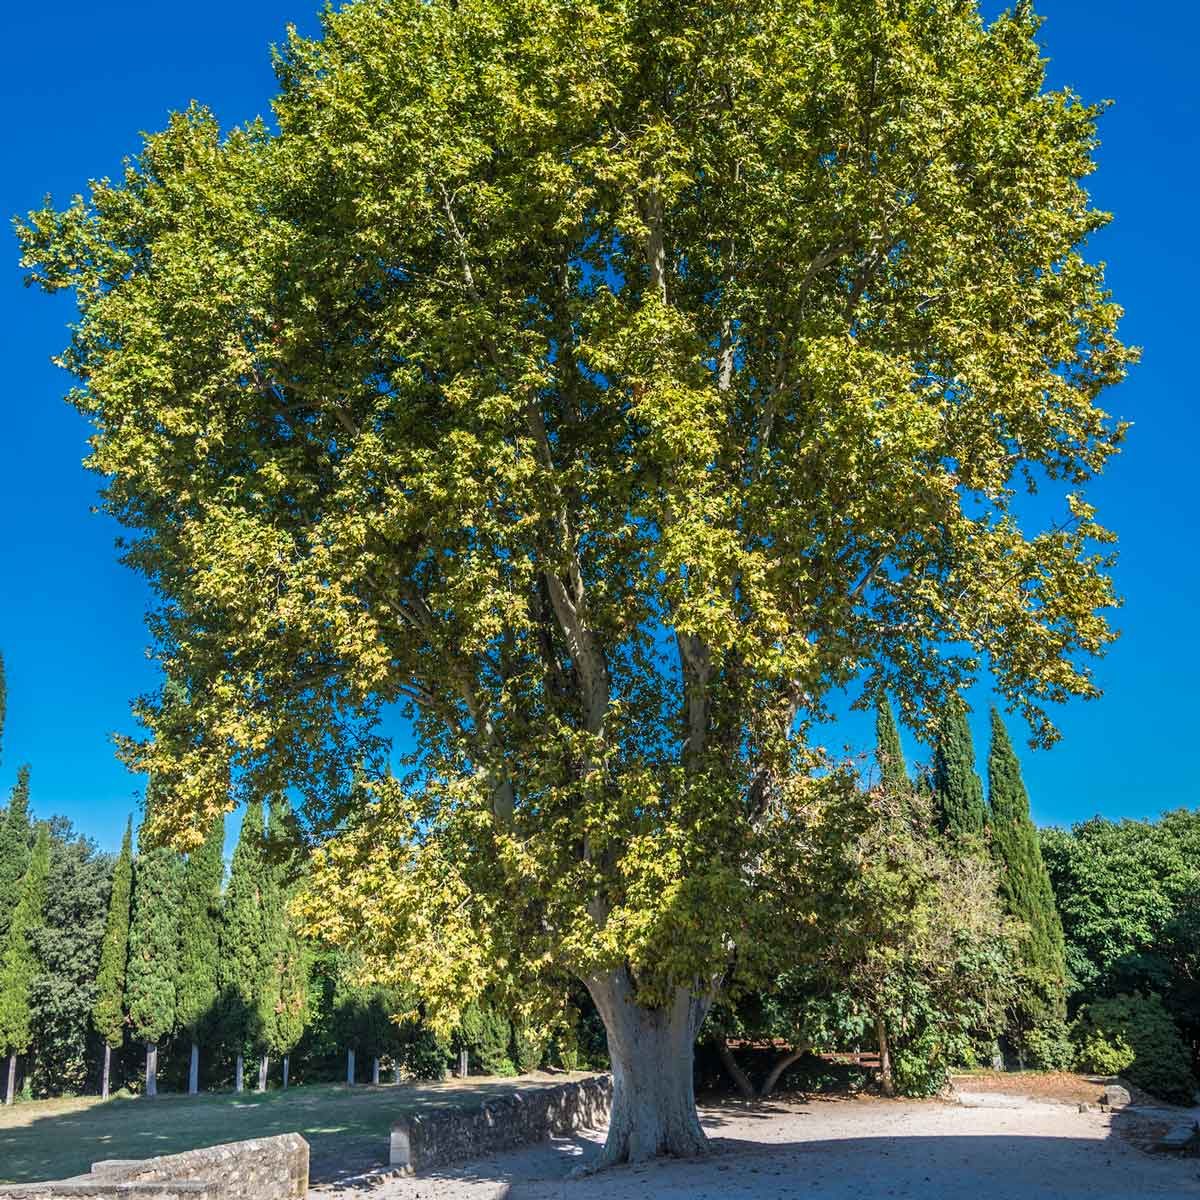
959 792
108 1010
285 988
67 947
14 847
889 754
607 432
1027 895
18 962
199 944
152 972
242 943
3 704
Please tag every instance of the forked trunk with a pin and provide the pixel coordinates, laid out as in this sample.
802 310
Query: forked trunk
781 1065
105 1073
151 1069
194 1071
886 1081
654 1102
239 1070
11 1086
734 1070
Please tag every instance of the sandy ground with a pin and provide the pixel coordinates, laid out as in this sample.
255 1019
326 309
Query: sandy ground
988 1148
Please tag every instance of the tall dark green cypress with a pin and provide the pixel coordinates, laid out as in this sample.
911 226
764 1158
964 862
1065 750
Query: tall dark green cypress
14 848
283 983
153 969
18 960
889 754
108 1011
959 792
1024 881
3 705
199 943
242 932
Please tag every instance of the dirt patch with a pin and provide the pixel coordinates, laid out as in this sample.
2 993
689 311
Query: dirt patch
1063 1087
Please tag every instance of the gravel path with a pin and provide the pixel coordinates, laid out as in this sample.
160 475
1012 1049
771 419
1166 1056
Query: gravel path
988 1149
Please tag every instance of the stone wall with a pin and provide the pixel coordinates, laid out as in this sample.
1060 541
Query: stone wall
274 1168
455 1135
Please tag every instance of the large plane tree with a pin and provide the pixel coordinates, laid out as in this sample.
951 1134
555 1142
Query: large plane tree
602 386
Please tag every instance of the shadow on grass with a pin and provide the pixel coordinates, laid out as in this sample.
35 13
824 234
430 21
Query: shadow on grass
346 1128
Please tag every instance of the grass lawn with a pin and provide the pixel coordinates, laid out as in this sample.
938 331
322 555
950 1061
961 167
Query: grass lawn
346 1128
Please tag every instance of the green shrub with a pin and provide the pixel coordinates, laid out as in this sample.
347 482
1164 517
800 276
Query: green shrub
528 1047
1048 1047
485 1033
1134 1036
425 1054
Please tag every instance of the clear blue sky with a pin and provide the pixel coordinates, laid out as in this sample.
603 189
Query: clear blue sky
80 81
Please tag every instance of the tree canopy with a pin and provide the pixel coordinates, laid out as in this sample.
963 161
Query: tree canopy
601 388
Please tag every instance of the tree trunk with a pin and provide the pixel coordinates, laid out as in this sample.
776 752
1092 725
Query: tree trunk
287 1058
11 1086
734 1071
886 1082
151 1069
350 1067
396 1073
780 1066
464 1063
654 1103
239 1067
194 1071
264 1066
375 1071
104 1074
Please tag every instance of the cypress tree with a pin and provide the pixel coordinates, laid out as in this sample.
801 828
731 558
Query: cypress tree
153 969
199 943
1025 885
3 705
283 1001
108 1011
19 964
888 752
14 848
242 931
958 788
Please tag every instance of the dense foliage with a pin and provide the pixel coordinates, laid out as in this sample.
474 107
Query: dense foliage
1129 896
1135 1037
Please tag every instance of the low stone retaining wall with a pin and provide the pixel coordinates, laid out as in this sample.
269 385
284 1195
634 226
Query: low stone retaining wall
455 1135
274 1168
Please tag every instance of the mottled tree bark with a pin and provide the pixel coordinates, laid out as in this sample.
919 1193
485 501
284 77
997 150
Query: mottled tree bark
11 1086
654 1102
194 1071
106 1071
239 1069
